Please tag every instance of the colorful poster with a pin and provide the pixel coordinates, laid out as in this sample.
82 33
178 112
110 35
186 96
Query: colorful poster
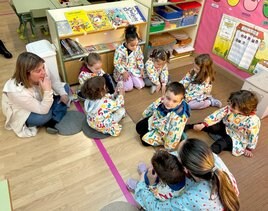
242 44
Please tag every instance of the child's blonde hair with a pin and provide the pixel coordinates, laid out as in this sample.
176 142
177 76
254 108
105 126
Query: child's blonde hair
92 59
204 62
244 100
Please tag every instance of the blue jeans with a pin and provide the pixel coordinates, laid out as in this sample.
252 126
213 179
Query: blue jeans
56 112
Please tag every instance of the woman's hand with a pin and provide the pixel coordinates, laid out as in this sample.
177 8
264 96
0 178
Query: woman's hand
45 84
199 127
64 99
125 76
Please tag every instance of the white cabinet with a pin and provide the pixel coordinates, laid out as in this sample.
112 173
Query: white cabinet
69 66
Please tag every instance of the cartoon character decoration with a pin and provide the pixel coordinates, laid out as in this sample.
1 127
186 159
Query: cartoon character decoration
265 8
251 5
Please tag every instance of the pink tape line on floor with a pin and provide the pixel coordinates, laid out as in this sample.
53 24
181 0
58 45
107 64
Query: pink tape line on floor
110 164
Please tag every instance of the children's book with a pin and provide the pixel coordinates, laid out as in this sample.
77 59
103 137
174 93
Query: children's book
79 21
63 28
117 17
133 14
90 48
99 19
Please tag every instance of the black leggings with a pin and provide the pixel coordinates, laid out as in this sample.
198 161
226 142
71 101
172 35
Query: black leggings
142 129
224 143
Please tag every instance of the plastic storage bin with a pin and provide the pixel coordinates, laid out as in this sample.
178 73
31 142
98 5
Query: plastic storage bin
168 12
189 8
189 20
173 23
45 50
157 24
258 84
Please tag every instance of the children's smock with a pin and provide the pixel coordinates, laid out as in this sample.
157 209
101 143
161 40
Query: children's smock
164 192
165 128
133 63
87 73
156 75
194 91
244 130
196 195
100 114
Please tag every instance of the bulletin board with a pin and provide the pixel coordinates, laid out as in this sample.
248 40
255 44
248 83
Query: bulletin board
247 12
242 44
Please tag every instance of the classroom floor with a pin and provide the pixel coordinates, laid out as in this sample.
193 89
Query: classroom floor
54 172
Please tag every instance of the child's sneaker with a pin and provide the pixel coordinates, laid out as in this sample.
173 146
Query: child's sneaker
142 168
131 184
215 102
153 89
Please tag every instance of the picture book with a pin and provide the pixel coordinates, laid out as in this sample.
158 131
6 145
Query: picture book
117 17
79 22
63 28
133 14
90 48
71 47
99 19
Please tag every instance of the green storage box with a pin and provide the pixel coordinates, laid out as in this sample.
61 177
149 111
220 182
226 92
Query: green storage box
157 24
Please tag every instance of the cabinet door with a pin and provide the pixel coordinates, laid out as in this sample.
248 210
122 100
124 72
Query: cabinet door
110 62
72 69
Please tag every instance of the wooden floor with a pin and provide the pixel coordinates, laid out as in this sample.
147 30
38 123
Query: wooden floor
53 172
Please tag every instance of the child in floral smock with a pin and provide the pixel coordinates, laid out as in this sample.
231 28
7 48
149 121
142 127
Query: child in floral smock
128 61
156 70
236 124
93 67
164 119
198 84
103 110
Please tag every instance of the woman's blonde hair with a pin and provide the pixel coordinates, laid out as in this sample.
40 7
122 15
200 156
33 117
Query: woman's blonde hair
197 157
26 63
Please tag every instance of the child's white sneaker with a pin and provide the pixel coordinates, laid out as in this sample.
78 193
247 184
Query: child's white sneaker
153 89
215 102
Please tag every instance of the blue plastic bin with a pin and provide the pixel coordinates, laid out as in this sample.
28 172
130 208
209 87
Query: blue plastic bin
168 12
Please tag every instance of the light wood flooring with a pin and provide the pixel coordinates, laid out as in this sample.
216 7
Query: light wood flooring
53 172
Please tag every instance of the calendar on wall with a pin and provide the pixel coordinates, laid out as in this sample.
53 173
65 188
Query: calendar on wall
242 44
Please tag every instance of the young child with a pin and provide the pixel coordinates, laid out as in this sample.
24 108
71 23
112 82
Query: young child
156 70
93 67
103 110
168 175
128 61
198 84
164 119
236 124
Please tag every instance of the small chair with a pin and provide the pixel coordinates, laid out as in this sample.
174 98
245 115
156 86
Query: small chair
39 19
24 19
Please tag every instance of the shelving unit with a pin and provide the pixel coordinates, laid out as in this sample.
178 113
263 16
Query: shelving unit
191 30
69 66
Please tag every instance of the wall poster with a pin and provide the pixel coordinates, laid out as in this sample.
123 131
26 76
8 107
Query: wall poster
242 44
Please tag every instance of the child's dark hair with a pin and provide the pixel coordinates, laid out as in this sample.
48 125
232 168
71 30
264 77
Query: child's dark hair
243 100
160 54
131 33
167 167
92 58
204 62
176 87
94 88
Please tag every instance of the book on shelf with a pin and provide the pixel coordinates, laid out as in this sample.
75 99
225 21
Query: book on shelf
63 28
71 47
99 19
102 47
79 22
133 14
117 17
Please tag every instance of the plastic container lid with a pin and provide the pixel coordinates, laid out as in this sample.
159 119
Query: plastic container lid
42 48
189 5
259 80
